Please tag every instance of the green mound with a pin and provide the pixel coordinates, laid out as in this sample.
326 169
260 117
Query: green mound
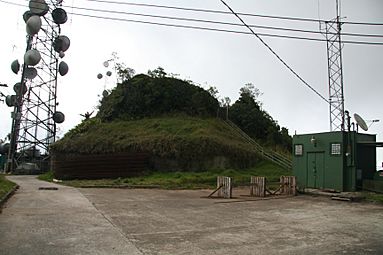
174 143
144 96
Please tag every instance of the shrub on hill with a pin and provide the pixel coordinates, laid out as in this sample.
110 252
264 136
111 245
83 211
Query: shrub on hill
145 96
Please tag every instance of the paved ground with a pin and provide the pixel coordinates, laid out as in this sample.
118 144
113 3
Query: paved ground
57 222
112 221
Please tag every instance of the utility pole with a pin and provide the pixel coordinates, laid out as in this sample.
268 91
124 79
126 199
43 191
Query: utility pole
335 72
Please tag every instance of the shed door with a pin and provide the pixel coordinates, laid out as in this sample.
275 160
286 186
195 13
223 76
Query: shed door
315 170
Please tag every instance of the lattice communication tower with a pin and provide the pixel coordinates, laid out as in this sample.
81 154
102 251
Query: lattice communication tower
35 104
335 72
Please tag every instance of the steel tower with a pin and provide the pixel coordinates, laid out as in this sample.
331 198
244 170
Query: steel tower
335 72
35 115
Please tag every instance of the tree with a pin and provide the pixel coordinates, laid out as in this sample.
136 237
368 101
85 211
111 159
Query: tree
247 113
145 96
213 91
157 73
251 91
123 73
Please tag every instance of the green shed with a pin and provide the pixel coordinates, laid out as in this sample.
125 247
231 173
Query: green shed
338 161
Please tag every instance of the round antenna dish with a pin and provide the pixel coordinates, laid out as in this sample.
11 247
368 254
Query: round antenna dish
30 72
105 93
99 76
10 100
32 57
17 88
63 68
59 16
15 66
61 43
27 15
58 117
38 7
106 63
360 122
108 73
33 25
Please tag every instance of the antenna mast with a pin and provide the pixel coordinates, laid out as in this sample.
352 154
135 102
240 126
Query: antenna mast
335 72
34 117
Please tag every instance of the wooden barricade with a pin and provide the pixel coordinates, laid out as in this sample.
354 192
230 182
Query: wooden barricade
288 185
224 186
257 186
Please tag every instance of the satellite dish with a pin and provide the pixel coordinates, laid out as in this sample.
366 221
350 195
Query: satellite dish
32 57
15 66
106 63
99 76
360 122
63 68
33 25
17 88
38 7
4 148
108 73
58 117
59 16
61 43
27 15
10 100
30 72
105 93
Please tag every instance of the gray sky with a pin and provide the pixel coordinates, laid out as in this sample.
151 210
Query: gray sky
224 60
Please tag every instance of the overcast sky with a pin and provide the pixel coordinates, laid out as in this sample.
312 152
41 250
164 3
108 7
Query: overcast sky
224 60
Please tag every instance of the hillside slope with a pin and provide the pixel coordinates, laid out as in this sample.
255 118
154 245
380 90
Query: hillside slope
173 143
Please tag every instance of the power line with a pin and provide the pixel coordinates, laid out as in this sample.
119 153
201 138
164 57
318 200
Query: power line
225 12
275 54
218 22
200 27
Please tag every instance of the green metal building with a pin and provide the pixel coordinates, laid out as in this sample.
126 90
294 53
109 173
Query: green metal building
338 161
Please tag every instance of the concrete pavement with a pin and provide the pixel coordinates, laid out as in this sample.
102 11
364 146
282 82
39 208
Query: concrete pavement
56 222
181 222
153 221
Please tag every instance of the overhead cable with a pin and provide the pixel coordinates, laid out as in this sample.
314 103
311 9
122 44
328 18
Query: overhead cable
275 54
216 22
226 12
206 28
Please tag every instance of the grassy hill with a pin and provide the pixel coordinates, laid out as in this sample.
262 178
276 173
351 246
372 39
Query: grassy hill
193 143
171 120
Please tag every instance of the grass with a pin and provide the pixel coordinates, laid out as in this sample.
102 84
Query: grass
373 197
5 185
163 136
183 180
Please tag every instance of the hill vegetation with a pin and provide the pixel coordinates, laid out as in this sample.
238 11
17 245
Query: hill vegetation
184 142
175 122
144 96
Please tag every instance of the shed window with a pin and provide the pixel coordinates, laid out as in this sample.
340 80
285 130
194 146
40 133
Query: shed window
298 149
335 149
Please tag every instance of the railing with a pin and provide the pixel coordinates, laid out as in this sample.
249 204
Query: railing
270 155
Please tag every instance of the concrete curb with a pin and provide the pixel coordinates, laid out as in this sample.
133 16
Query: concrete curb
5 198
